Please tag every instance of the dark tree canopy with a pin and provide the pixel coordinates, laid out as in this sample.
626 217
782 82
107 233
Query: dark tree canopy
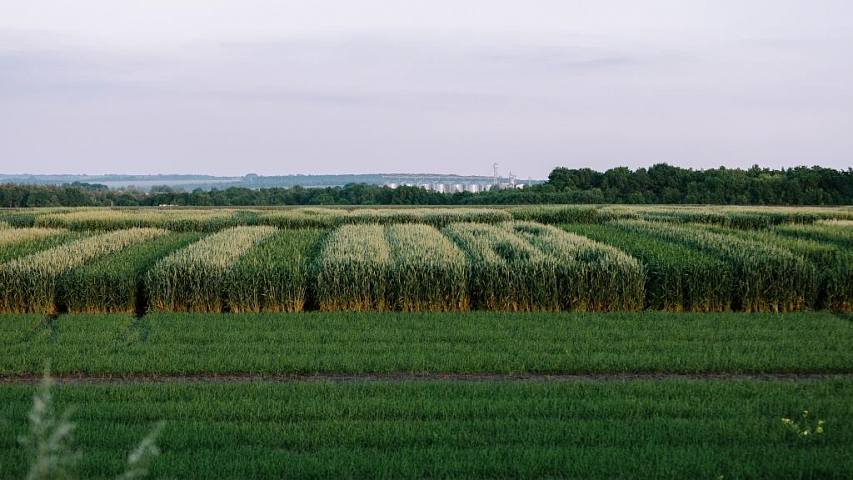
659 183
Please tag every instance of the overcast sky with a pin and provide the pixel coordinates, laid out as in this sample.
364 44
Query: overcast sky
343 86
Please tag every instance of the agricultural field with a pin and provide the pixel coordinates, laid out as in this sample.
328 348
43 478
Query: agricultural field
514 342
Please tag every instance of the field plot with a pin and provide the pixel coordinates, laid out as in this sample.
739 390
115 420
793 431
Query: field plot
394 267
115 219
30 283
20 242
839 233
834 264
767 278
677 277
473 349
114 283
301 217
196 278
590 275
427 271
751 217
506 272
431 216
351 269
599 258
275 275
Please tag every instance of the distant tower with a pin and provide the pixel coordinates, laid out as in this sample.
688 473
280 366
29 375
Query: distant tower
495 177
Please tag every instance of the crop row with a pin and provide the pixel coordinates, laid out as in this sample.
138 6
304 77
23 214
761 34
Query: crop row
766 277
209 220
214 219
677 276
736 217
31 283
509 266
195 278
834 264
394 267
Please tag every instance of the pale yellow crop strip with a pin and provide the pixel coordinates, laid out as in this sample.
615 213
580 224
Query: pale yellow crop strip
432 216
591 275
194 278
505 271
837 223
11 236
29 284
111 219
351 269
428 271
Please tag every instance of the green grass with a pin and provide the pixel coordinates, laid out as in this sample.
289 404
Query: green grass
678 278
114 283
621 429
475 342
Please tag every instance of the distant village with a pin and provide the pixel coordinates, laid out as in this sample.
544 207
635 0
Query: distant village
494 183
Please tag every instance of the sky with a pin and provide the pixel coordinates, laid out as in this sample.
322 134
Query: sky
340 86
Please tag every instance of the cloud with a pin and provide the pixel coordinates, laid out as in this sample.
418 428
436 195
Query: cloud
392 101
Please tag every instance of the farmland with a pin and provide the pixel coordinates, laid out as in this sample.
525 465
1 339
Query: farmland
550 341
608 258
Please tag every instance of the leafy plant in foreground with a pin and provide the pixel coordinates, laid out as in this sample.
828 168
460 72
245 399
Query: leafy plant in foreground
50 436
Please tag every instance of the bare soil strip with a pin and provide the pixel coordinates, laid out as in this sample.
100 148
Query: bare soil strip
413 377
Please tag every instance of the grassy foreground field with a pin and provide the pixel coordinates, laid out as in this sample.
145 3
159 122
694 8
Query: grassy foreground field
620 429
440 395
435 343
474 342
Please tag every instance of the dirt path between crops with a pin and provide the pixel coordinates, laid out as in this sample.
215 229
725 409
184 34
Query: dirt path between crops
410 377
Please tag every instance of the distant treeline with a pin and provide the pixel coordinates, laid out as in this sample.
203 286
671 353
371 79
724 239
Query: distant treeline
658 184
